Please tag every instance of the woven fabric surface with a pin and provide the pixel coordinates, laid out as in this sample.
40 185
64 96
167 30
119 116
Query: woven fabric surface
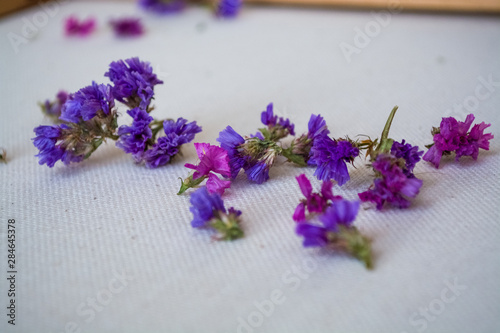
107 246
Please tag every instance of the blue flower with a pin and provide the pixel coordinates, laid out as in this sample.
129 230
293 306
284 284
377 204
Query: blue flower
409 153
163 6
177 133
258 172
341 212
50 152
230 141
133 139
133 82
330 157
317 127
87 103
227 8
205 207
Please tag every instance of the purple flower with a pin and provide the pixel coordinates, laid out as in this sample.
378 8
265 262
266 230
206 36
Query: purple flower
227 8
209 211
133 82
453 136
340 213
392 186
205 206
127 27
317 127
213 159
133 139
409 153
46 140
279 127
258 172
73 27
314 202
176 134
231 141
53 108
87 103
330 157
162 6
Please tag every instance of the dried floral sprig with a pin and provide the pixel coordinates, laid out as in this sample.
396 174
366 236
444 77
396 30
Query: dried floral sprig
209 212
453 136
75 27
325 220
392 163
127 27
89 117
52 109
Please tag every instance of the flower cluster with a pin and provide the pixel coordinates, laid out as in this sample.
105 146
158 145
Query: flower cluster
325 220
393 163
209 212
453 136
89 117
127 27
83 28
221 8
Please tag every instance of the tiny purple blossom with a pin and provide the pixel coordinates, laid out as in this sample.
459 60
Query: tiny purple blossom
409 153
133 139
53 108
88 102
330 157
46 140
133 82
314 202
227 8
177 133
231 141
204 207
127 27
74 27
341 212
270 120
317 127
393 186
163 6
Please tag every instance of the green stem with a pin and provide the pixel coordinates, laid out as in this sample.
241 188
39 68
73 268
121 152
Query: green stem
386 143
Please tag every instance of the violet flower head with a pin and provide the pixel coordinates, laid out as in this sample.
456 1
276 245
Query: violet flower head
227 8
133 139
50 141
317 127
209 212
231 142
74 27
53 108
163 7
314 202
330 158
177 133
453 136
409 153
133 82
278 127
88 102
127 27
392 186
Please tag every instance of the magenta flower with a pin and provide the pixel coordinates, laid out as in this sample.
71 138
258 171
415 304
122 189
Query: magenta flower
453 136
314 202
74 27
213 160
392 185
127 27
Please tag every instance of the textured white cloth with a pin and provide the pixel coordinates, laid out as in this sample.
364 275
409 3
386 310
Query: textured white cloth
106 245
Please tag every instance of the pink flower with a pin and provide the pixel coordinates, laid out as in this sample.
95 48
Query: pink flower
73 27
213 160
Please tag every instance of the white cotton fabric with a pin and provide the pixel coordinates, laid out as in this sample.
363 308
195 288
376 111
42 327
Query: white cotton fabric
110 230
